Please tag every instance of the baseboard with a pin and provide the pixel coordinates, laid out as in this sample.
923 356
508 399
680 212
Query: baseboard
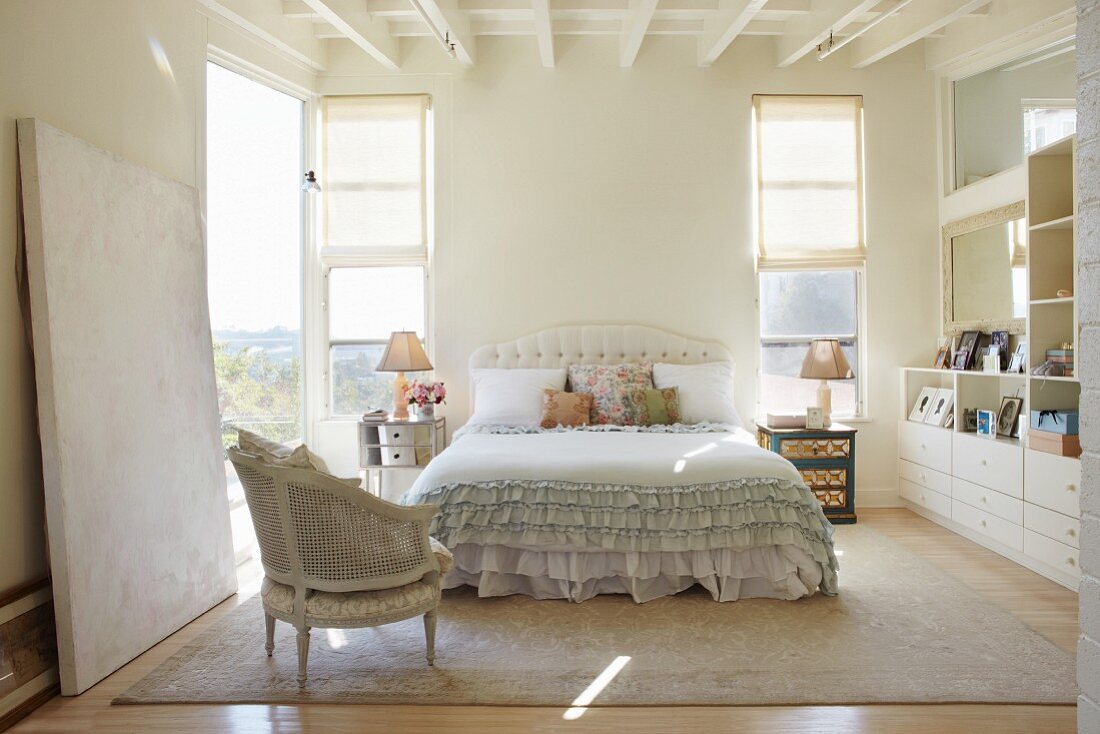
876 498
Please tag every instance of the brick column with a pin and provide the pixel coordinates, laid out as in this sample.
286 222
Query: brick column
1088 296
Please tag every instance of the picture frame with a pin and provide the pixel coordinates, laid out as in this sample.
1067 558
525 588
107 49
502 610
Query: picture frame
943 358
968 345
950 422
961 360
923 404
987 424
1008 423
999 339
970 420
1019 357
942 406
981 348
815 418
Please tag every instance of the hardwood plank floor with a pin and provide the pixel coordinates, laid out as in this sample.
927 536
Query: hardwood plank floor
1042 604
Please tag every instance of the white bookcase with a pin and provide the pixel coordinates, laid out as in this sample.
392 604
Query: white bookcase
1021 503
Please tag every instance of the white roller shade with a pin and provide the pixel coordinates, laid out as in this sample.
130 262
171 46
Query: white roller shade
373 177
809 179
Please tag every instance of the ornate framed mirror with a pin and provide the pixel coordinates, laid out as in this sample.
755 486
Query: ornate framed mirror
985 272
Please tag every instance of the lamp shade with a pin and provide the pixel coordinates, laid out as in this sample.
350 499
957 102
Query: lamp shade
404 354
825 361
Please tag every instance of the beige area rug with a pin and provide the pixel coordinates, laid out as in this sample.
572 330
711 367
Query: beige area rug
901 631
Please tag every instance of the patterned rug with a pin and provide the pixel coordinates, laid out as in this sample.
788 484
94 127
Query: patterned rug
901 631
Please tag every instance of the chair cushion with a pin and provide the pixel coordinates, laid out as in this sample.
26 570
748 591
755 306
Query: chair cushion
352 606
446 560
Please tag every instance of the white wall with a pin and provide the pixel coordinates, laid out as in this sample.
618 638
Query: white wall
591 193
1088 252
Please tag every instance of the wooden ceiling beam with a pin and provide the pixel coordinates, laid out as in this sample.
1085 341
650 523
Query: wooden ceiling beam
914 22
805 32
719 31
369 34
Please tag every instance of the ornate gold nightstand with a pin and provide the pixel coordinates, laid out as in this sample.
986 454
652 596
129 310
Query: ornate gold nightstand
826 459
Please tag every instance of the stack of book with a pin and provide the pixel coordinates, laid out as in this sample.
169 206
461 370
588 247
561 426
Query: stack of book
1063 357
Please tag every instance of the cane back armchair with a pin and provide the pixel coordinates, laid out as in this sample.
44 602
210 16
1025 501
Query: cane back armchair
335 556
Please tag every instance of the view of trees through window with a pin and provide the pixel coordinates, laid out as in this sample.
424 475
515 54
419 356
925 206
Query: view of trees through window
795 307
254 161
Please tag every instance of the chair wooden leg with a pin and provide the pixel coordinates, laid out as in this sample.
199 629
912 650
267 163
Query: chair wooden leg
303 655
429 634
269 645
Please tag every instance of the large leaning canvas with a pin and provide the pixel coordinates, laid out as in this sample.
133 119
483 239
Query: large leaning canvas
136 509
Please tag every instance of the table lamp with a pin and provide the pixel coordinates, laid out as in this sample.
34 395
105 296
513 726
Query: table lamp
403 354
825 361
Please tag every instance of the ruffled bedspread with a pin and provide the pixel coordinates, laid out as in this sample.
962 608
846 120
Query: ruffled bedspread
678 489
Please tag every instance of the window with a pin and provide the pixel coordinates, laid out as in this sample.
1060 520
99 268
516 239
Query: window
254 145
1047 120
810 244
376 231
366 304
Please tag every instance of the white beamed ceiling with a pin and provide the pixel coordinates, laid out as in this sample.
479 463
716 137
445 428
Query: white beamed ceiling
882 28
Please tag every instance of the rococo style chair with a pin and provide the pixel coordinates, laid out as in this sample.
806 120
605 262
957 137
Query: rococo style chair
335 556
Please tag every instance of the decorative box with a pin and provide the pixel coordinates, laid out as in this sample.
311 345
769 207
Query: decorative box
786 420
1054 443
1056 421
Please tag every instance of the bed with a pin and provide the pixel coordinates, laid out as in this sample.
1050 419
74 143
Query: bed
646 511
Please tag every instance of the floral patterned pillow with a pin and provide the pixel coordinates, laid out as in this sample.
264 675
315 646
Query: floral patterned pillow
656 406
566 409
612 388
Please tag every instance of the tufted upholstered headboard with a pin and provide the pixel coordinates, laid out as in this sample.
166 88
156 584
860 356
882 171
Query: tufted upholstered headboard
561 346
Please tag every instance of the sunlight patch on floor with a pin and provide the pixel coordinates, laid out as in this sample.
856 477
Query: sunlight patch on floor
595 687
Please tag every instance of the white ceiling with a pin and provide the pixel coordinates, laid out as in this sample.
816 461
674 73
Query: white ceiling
865 30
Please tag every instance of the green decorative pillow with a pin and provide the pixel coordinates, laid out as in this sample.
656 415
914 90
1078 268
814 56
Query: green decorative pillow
656 407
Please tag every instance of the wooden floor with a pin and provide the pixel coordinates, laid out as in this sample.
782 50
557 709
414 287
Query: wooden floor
1042 604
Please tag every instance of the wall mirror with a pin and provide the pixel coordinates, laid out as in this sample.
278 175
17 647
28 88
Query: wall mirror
985 272
1004 113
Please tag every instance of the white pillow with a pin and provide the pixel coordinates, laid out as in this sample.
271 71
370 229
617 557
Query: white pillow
504 397
706 390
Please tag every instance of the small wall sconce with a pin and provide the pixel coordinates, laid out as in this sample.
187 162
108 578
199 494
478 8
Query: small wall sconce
310 186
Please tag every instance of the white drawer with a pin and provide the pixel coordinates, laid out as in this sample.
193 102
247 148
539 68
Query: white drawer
925 477
992 501
928 446
990 463
934 501
1053 482
1052 553
999 529
1053 524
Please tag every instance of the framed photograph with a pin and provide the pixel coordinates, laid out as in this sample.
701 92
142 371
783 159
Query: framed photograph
1008 423
968 344
980 349
970 420
1019 357
999 339
987 424
942 406
815 417
923 404
943 356
962 359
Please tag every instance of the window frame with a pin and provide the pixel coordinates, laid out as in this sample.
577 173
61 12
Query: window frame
855 263
345 256
277 83
329 342
859 338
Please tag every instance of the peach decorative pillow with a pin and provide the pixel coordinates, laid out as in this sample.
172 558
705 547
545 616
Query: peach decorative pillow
565 409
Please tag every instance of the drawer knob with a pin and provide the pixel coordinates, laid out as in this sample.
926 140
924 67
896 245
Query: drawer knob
922 498
983 523
924 445
984 498
984 462
1070 561
922 477
1071 533
1071 487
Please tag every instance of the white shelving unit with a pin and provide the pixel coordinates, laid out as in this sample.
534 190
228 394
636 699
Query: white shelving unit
999 493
